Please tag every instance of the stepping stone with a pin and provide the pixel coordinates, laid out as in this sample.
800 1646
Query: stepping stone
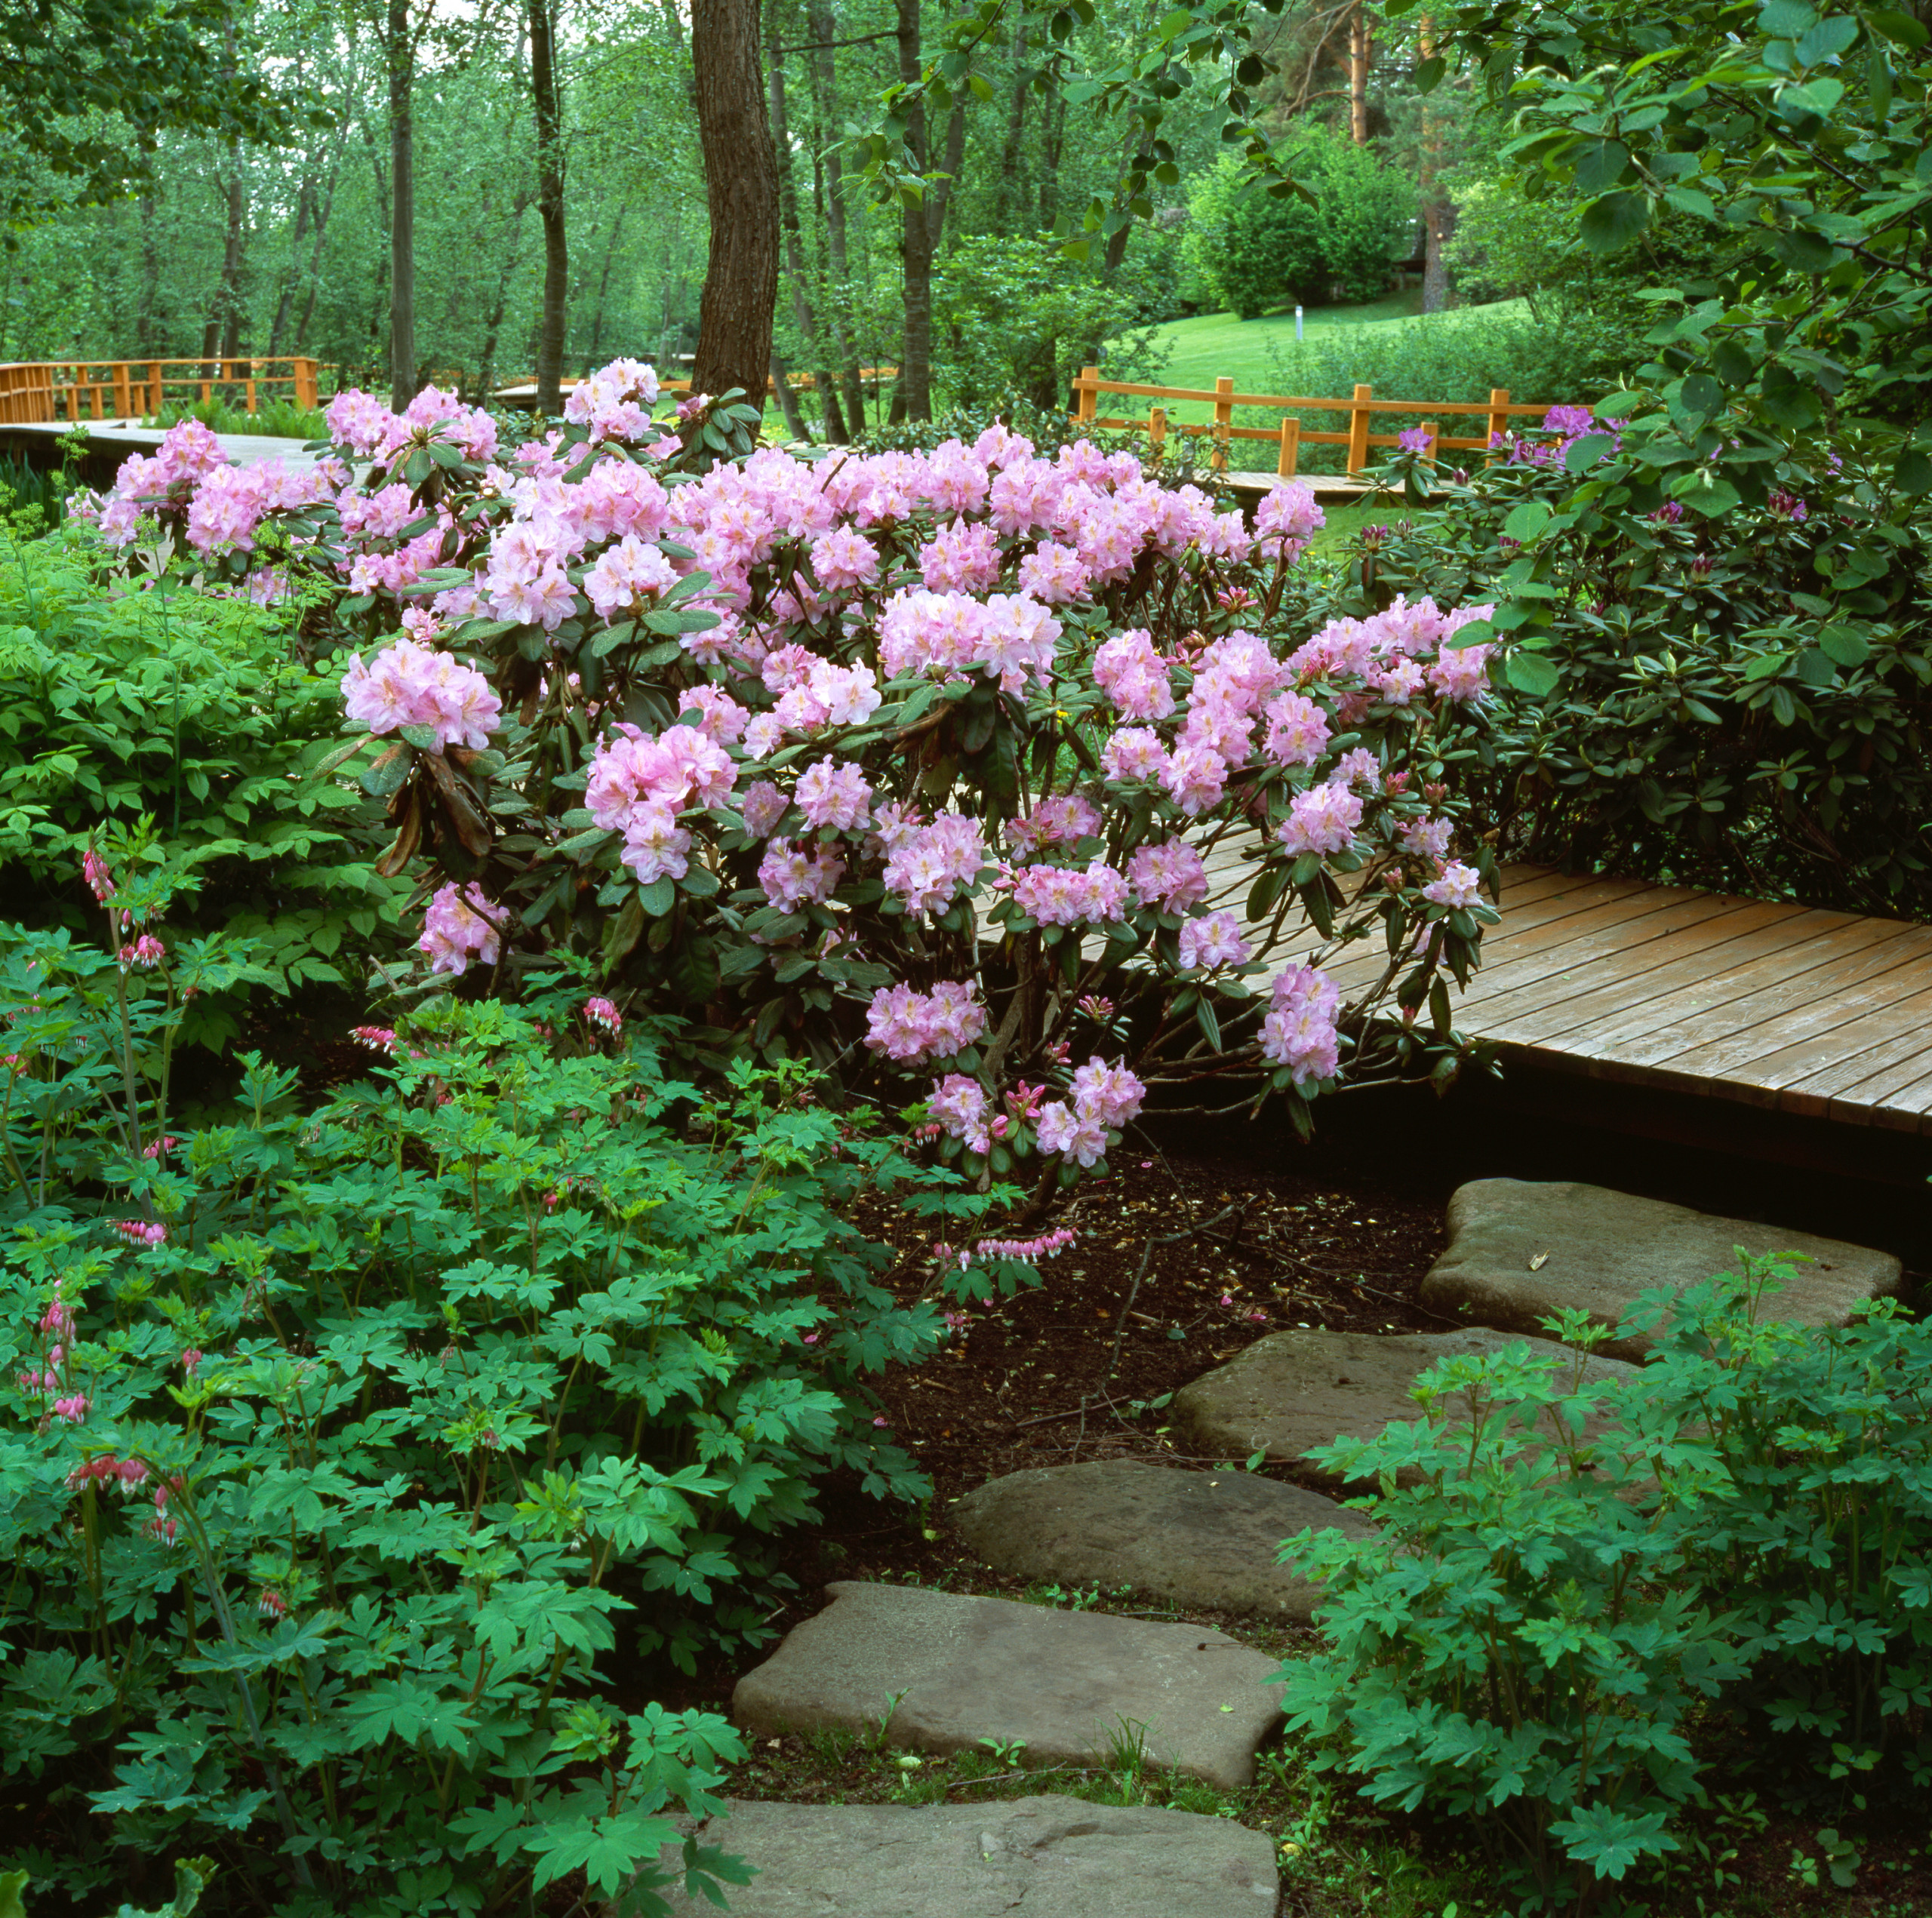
1598 1249
1061 1857
1197 1538
1295 1389
1069 1684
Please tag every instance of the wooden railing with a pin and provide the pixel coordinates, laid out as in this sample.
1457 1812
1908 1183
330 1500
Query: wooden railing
1289 437
74 390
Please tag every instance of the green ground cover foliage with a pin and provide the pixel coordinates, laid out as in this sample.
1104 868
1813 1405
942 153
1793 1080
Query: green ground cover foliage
1584 1583
491 1379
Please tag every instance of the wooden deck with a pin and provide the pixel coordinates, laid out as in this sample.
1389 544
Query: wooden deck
1825 1014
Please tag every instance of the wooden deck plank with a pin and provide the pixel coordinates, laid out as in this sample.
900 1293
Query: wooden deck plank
1561 1002
1812 1011
1888 1045
1515 954
1625 938
1818 1013
1722 1002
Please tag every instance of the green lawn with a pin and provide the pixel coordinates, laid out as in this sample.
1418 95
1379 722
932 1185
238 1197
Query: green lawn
1202 349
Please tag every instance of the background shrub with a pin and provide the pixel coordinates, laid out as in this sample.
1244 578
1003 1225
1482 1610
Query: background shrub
1725 691
120 703
1253 250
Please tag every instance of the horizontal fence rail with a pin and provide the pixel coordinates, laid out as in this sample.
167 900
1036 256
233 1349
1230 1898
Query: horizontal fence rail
1290 437
42 391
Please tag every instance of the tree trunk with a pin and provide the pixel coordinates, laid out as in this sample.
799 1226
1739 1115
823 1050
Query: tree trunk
603 287
549 208
938 194
803 317
401 48
305 205
914 395
824 72
493 326
315 250
741 194
1434 203
144 310
788 400
1360 48
221 335
1007 199
1054 139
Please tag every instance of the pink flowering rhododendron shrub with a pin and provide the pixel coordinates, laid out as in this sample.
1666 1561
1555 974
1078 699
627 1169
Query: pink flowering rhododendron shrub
900 761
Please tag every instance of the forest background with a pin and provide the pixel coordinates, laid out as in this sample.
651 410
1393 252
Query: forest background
479 194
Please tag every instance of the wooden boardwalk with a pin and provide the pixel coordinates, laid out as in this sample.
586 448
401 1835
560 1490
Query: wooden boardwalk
1825 1014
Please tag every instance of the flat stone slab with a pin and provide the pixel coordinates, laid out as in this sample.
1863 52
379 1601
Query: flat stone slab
1065 1683
1197 1538
1598 1249
1060 1858
1293 1390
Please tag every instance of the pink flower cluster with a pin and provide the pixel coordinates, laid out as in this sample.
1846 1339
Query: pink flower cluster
926 865
1299 1031
912 1028
407 684
142 1232
1104 1098
637 785
460 927
1057 896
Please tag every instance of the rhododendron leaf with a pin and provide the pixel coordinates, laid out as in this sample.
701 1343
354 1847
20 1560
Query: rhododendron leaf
388 771
1205 1019
612 636
657 898
694 969
425 738
1531 673
1845 644
626 930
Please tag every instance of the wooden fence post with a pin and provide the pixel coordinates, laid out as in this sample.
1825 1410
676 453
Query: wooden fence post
1290 453
1499 414
305 383
1086 394
1157 434
1359 418
1224 418
123 405
154 389
1429 426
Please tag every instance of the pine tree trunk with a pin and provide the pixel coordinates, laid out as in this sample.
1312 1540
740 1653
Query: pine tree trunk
913 396
1359 44
549 209
401 49
741 192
